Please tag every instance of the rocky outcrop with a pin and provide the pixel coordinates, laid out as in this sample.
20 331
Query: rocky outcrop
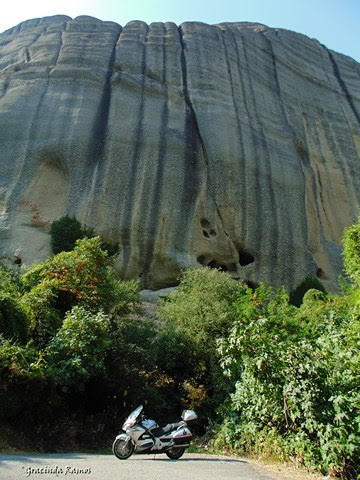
232 145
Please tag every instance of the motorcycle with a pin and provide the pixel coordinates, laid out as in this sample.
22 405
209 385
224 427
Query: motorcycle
145 436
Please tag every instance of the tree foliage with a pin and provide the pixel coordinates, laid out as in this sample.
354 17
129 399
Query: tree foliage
13 322
65 232
83 277
295 382
78 349
297 295
200 306
351 241
280 380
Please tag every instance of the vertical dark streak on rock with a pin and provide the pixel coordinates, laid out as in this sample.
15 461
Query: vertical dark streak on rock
157 193
289 223
195 155
241 163
343 85
191 116
27 55
277 83
257 236
310 173
243 178
321 194
6 84
340 164
100 126
58 52
272 210
128 205
95 163
342 161
26 163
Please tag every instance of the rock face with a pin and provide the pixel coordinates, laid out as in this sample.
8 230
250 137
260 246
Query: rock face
233 145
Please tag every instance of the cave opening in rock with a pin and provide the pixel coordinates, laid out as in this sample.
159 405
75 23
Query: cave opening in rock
245 258
320 273
204 223
251 284
206 229
215 264
201 260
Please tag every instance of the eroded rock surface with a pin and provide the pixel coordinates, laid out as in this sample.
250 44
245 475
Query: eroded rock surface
233 145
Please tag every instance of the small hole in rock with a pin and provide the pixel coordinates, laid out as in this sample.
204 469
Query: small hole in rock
320 273
212 233
206 235
252 285
201 260
205 223
220 266
17 261
212 264
245 258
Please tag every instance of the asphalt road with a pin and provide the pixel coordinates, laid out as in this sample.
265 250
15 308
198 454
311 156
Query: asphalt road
139 467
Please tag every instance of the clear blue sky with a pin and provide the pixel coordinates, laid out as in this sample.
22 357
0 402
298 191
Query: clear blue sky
335 23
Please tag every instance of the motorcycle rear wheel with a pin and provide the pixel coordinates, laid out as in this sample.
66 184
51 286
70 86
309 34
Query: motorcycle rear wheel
121 450
175 452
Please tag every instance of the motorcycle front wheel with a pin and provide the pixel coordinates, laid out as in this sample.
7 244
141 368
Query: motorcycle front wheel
175 452
122 449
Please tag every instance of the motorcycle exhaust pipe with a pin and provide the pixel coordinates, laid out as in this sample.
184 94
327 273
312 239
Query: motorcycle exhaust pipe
175 445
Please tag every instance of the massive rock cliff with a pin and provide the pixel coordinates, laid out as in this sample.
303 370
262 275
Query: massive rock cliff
233 145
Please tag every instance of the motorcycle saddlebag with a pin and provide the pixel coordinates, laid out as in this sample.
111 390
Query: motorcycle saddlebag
182 436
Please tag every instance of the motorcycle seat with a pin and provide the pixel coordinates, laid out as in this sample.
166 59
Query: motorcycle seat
159 432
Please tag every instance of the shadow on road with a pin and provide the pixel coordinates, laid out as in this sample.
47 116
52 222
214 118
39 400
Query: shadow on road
195 459
35 457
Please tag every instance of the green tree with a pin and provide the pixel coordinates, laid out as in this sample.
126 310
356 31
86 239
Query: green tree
351 242
200 306
297 295
13 322
65 231
82 277
77 351
195 315
296 375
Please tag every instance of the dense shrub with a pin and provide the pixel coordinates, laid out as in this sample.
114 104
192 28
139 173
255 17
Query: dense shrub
294 386
77 351
64 233
195 315
13 322
73 305
296 296
80 277
200 306
351 241
284 380
296 376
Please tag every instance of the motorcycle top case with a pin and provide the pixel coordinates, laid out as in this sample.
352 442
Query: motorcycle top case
189 416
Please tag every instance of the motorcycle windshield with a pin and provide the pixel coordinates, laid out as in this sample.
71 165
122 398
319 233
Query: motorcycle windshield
130 421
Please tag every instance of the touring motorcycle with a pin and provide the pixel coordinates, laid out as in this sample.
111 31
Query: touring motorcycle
145 436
